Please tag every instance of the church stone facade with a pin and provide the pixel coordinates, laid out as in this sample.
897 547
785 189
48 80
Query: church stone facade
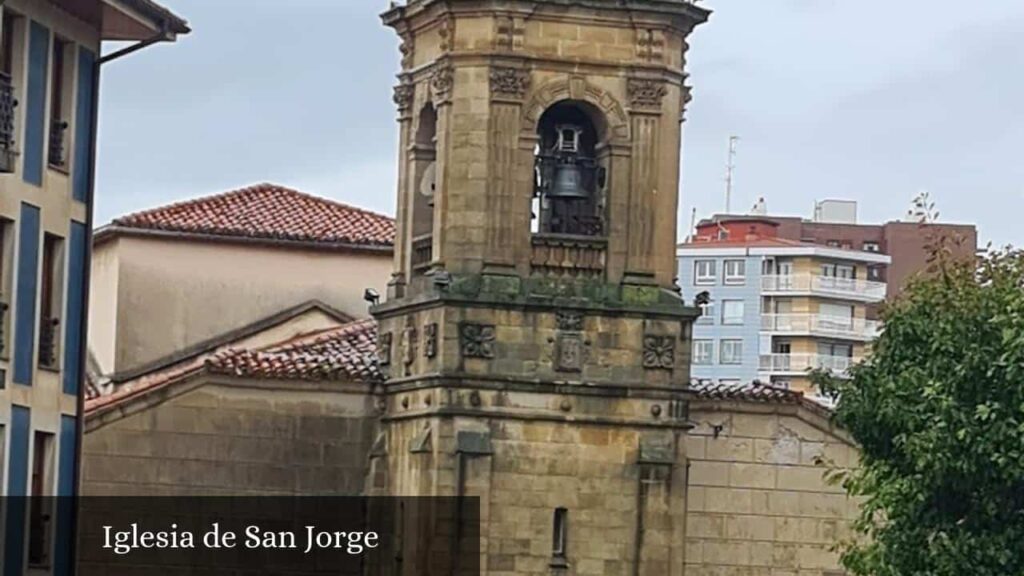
535 348
532 349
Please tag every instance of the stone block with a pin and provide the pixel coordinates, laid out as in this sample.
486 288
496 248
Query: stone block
752 475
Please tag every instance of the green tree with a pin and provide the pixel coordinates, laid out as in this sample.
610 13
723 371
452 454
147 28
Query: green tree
938 411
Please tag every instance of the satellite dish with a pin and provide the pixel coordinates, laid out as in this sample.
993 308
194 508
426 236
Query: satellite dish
429 180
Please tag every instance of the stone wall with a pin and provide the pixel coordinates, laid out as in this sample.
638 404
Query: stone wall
232 440
757 501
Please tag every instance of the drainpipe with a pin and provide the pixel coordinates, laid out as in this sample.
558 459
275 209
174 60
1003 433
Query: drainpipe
83 346
163 35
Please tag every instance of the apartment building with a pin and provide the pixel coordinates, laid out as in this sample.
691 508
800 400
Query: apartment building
777 308
835 224
49 74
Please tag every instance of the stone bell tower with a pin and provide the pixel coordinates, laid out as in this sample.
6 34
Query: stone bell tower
536 349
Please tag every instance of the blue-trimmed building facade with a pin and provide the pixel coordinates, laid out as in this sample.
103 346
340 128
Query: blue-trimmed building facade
49 73
776 309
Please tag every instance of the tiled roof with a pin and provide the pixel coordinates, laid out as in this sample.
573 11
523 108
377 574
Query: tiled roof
751 392
269 212
345 353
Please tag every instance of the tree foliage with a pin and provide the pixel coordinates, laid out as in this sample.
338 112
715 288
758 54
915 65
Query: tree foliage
938 410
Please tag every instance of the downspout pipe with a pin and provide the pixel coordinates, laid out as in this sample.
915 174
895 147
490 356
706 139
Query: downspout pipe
83 344
163 35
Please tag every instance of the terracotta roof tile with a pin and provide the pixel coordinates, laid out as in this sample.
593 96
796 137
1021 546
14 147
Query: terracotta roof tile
750 392
345 353
271 212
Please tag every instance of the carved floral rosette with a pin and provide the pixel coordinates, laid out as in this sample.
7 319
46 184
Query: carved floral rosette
476 340
659 352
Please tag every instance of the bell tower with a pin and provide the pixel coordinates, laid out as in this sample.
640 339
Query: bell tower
536 348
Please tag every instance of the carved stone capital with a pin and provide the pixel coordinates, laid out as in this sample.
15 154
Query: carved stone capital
442 80
403 96
645 93
687 97
509 82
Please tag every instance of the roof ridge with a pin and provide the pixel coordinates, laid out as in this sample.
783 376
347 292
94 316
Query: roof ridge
266 211
313 337
255 187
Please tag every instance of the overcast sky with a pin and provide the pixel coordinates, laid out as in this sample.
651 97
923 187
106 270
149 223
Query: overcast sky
868 100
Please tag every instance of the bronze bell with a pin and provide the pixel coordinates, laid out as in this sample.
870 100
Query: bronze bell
568 182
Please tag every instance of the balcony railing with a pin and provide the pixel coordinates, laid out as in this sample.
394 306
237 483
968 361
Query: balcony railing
825 286
800 363
821 325
56 157
565 255
7 105
48 333
422 251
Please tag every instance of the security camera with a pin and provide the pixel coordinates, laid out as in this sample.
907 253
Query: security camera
371 296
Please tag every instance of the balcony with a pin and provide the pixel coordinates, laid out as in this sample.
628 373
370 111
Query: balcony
49 330
57 157
3 327
819 325
797 364
568 255
827 286
7 105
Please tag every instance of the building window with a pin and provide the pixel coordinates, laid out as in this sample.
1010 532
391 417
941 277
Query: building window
703 352
842 271
41 511
560 534
872 247
60 103
732 311
707 313
6 278
704 272
8 98
875 273
735 271
731 352
51 298
832 243
834 349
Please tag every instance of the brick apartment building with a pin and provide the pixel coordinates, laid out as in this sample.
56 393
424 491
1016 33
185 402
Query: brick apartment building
835 225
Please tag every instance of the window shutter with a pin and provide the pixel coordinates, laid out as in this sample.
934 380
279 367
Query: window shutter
82 161
27 288
35 107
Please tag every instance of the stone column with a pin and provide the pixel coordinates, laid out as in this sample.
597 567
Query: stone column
508 85
403 97
442 81
645 100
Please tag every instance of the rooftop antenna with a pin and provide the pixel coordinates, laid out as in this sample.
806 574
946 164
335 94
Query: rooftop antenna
730 167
